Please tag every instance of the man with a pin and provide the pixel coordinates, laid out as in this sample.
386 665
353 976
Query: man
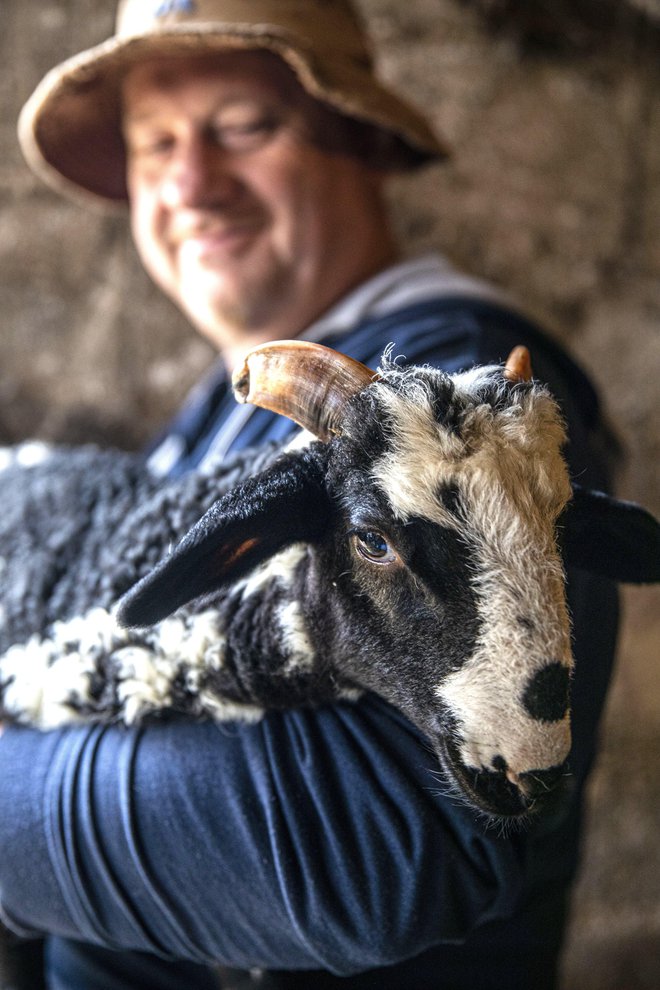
252 140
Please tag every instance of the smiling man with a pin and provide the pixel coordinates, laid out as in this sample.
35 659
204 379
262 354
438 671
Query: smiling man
251 140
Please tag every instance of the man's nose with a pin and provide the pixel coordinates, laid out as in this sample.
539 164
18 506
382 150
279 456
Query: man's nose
199 176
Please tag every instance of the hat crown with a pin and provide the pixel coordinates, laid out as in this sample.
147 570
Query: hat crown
77 105
333 24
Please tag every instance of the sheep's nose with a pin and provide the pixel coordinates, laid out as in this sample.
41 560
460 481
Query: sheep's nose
506 793
502 791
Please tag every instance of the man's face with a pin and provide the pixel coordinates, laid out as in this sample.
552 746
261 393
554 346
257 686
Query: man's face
240 210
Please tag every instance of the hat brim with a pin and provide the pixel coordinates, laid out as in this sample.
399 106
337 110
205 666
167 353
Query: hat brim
70 128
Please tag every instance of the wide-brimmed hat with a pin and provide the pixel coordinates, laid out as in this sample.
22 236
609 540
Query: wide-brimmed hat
70 128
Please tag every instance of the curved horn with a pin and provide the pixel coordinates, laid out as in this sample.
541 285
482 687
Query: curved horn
307 382
518 367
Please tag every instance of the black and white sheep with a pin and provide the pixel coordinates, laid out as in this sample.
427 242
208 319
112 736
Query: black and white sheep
411 551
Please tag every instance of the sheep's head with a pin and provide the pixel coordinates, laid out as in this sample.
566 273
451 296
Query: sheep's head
450 489
432 508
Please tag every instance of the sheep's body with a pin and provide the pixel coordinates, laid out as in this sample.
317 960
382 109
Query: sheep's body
79 528
58 518
413 555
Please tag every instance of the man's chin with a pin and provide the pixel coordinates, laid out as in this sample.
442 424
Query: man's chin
227 309
227 320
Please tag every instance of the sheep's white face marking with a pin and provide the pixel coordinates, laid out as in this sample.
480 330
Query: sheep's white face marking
503 465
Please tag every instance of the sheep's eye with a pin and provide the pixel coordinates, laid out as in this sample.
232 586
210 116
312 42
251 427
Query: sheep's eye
373 546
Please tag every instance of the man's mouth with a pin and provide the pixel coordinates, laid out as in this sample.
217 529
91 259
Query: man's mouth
227 237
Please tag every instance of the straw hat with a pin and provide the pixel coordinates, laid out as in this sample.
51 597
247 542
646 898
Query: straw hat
70 127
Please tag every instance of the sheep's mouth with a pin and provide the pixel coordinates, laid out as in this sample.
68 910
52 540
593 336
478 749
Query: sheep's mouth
493 792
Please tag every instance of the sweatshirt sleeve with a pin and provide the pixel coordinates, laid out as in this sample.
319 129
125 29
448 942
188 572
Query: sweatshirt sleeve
313 839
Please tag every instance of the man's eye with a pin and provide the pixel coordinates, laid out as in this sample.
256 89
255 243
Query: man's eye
373 546
150 147
245 134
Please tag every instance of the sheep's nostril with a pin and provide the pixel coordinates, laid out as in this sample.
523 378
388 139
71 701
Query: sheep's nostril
536 789
538 785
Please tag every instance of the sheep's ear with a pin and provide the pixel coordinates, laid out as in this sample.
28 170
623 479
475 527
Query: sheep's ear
285 504
616 539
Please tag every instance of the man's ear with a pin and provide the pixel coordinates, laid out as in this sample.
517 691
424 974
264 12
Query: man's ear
618 540
287 503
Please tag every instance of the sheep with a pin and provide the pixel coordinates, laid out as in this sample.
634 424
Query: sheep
407 545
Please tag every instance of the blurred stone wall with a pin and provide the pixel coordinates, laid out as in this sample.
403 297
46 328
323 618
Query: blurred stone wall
554 193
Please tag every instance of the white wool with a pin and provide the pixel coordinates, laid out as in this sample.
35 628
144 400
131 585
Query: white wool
295 639
37 690
145 681
517 448
229 711
25 454
44 674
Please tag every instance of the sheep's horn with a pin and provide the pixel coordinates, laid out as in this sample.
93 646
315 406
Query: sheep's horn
518 367
307 382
